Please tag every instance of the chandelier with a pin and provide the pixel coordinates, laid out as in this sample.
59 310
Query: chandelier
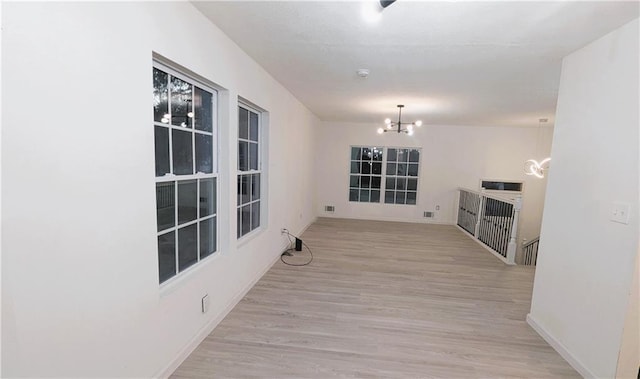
532 166
399 126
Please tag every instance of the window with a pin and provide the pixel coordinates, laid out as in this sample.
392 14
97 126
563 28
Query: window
366 174
401 183
398 169
186 170
499 185
249 170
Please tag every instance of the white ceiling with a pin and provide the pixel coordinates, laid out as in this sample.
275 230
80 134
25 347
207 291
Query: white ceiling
464 63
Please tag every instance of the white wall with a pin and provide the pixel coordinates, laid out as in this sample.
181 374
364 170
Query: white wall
80 294
586 261
452 157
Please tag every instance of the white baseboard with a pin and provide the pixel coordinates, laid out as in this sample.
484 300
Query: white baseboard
560 348
211 325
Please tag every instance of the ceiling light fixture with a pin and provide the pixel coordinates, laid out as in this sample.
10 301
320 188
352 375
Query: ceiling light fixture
399 126
533 167
372 9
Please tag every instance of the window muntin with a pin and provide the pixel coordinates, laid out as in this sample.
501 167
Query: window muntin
186 170
249 170
365 174
376 174
401 184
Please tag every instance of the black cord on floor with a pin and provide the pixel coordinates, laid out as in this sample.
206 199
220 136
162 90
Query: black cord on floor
290 250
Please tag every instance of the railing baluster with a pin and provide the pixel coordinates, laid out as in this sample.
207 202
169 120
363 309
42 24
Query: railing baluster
492 221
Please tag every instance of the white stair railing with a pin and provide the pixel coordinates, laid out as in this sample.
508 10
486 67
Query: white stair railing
491 220
530 252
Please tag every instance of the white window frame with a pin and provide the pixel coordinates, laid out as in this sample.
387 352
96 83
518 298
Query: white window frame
370 174
248 173
196 176
384 175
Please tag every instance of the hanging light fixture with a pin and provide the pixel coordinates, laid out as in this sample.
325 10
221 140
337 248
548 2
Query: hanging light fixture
399 126
532 166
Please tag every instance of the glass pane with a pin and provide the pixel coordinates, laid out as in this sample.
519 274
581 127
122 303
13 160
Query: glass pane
253 126
203 110
389 197
377 154
187 201
204 154
239 223
355 153
402 169
255 187
255 215
411 197
366 154
401 184
165 205
182 153
353 195
253 156
187 246
243 159
400 197
375 196
390 183
366 167
353 181
207 197
365 182
166 256
181 98
414 155
364 196
207 237
246 219
412 184
243 123
403 155
393 155
160 96
375 181
391 169
413 170
376 168
244 188
162 150
355 167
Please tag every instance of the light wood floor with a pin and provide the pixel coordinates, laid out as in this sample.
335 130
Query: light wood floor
382 300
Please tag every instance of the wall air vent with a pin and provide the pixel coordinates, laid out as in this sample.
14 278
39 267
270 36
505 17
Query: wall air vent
329 208
428 214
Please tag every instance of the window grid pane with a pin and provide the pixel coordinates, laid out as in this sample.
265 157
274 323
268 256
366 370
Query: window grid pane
249 171
365 169
401 184
185 208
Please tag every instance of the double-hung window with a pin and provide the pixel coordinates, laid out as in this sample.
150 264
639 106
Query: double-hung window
391 171
401 184
185 130
249 170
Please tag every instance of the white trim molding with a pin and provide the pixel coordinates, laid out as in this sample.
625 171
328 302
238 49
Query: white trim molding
560 348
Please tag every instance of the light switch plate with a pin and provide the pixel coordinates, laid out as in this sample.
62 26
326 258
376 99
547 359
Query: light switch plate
620 213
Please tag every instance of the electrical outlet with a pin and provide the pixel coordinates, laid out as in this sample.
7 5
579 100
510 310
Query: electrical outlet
437 207
284 231
205 303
